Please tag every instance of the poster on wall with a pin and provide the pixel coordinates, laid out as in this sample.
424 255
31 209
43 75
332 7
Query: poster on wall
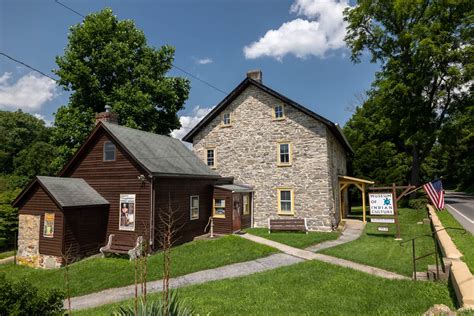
48 227
381 203
127 212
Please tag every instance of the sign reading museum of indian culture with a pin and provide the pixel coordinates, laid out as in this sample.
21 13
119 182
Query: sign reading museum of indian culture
127 212
381 203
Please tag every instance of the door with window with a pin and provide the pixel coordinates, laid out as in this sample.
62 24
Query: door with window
236 211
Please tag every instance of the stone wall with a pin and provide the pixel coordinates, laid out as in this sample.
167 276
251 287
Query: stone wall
247 151
28 240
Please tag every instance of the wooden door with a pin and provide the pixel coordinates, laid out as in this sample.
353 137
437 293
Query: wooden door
236 211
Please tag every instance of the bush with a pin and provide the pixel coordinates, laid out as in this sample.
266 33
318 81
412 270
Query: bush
417 204
152 307
22 298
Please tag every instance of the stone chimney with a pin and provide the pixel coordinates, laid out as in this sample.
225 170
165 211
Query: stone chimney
255 75
106 116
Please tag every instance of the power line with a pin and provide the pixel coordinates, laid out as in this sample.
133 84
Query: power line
173 65
28 66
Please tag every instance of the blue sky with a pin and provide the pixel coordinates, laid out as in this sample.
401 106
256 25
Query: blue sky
297 44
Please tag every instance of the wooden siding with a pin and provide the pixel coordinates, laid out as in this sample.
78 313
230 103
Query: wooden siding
85 230
38 202
178 191
224 225
112 178
247 219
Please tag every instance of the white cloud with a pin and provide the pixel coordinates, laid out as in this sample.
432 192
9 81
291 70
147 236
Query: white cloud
41 117
188 122
323 29
204 61
29 93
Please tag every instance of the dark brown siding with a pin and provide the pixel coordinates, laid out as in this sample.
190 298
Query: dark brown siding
224 225
112 178
179 191
38 202
85 230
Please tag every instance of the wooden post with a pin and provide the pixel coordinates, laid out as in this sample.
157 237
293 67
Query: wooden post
340 203
395 209
363 202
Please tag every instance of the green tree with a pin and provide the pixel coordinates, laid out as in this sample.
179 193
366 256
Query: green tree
426 55
108 61
34 160
18 131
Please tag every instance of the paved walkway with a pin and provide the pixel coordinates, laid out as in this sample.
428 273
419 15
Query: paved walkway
308 255
352 231
226 272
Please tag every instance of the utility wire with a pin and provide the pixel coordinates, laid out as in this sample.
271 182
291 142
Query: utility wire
28 66
173 65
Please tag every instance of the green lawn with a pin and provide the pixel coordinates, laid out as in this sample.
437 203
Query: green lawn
381 250
309 288
96 274
294 239
464 242
6 254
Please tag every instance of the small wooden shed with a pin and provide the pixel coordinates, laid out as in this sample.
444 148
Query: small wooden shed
232 208
59 218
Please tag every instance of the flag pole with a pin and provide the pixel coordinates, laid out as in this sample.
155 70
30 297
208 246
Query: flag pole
414 190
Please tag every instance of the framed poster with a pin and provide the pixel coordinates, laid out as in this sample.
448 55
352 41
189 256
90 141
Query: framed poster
381 204
127 212
48 226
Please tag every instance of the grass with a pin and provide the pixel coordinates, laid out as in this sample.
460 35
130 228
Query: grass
308 288
6 254
464 242
382 250
95 274
294 239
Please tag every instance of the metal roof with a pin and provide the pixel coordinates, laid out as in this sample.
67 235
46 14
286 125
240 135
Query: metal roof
234 187
335 129
159 154
70 192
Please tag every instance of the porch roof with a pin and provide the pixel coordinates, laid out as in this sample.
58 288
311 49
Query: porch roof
235 188
347 179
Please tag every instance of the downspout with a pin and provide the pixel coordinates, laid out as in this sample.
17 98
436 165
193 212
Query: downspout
152 211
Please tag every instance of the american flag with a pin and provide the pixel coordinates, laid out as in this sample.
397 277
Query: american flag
435 191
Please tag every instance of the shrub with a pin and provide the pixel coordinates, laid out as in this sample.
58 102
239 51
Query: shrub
417 204
22 298
154 307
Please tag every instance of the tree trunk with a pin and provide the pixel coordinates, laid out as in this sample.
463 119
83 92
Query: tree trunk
415 166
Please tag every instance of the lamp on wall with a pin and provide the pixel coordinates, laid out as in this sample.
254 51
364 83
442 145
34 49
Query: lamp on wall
142 178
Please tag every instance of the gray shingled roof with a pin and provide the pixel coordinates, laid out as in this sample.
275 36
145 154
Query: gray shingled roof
70 192
160 154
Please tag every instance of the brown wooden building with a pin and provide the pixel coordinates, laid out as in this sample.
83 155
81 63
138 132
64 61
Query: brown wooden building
116 185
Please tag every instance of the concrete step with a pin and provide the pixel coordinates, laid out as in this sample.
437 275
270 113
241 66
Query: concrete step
421 276
432 273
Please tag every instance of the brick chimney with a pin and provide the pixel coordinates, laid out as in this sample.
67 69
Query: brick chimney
106 116
255 75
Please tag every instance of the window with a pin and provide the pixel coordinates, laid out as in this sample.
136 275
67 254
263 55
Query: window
194 207
226 119
246 201
279 112
211 158
284 154
219 208
48 226
285 202
109 151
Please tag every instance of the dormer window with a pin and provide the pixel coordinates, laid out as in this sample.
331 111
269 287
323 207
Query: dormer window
279 112
109 151
226 119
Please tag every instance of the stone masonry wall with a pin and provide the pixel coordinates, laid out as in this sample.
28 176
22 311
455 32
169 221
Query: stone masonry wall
247 151
337 162
28 240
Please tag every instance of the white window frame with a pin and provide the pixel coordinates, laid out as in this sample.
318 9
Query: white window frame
292 201
224 123
104 151
274 113
213 156
191 207
290 154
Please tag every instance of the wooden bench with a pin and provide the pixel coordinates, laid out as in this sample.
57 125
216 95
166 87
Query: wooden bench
290 224
123 245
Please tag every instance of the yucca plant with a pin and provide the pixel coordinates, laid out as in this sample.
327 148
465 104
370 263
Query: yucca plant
155 307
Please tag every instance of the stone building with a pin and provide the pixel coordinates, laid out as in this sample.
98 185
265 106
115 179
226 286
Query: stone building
289 155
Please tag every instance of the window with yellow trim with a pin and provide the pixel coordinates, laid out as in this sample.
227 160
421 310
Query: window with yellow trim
279 112
219 208
226 120
246 202
284 154
285 202
211 157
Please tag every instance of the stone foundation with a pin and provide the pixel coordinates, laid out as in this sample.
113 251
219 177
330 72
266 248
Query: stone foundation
28 240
